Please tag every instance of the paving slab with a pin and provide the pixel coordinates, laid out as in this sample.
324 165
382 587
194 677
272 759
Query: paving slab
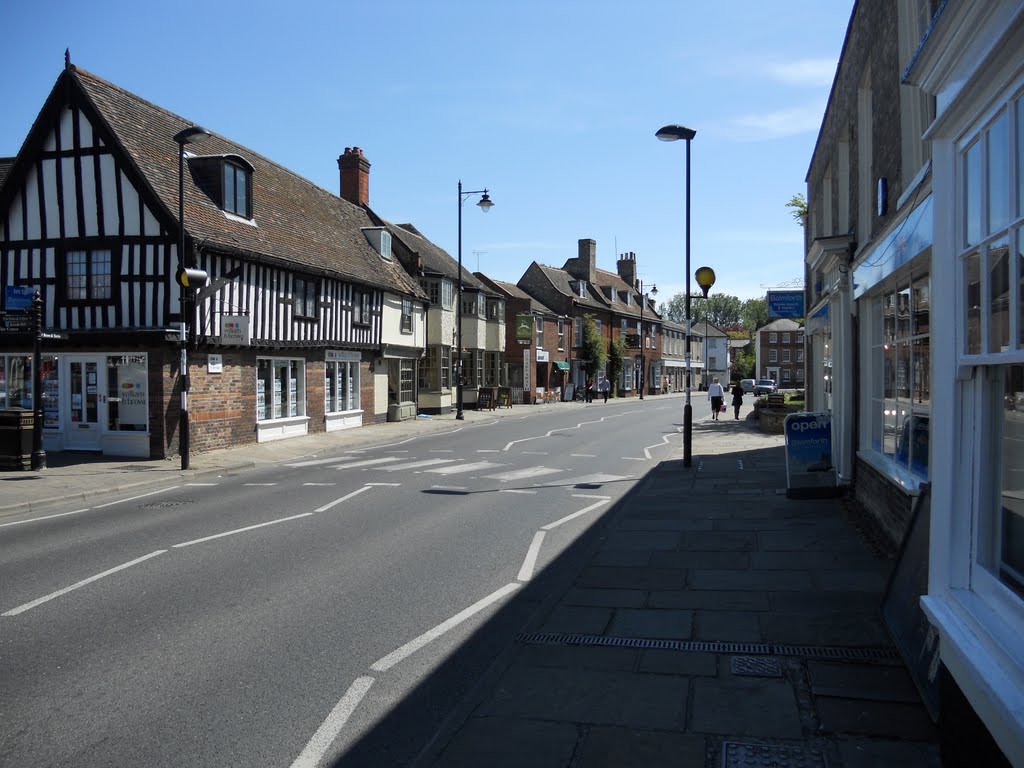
622 558
577 619
629 748
525 742
580 657
632 578
702 560
837 628
652 623
854 680
874 718
670 662
760 708
727 600
865 753
616 598
590 696
749 579
728 626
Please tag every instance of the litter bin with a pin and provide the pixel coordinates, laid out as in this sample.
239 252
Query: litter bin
16 425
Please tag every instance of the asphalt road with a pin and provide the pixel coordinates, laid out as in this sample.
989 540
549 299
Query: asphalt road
323 612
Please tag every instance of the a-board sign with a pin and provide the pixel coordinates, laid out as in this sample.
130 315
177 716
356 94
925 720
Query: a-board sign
504 397
917 641
485 399
809 468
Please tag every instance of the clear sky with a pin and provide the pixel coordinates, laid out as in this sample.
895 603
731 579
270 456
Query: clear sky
552 105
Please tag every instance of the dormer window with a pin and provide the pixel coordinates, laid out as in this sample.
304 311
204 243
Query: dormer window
237 189
629 299
380 239
581 289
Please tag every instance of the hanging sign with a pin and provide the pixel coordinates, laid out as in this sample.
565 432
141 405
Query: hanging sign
234 329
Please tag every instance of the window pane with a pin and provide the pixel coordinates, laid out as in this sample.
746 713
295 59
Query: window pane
100 275
972 195
999 295
998 171
920 306
1020 157
921 361
229 187
972 285
241 192
1020 283
1002 545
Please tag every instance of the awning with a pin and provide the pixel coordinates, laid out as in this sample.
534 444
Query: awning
561 365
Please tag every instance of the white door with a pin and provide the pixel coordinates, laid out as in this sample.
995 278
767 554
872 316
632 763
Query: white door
86 402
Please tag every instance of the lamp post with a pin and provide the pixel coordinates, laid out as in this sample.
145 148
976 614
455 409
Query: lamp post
675 133
643 302
190 135
485 205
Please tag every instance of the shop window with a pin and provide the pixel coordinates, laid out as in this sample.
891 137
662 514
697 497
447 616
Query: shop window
341 382
435 372
407 375
280 388
127 393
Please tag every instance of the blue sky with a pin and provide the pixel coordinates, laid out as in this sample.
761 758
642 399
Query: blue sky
551 105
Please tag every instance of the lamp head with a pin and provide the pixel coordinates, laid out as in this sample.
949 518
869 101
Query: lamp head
191 135
705 279
654 290
675 133
485 202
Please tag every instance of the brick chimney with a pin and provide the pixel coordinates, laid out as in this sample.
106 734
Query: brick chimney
584 266
626 266
355 176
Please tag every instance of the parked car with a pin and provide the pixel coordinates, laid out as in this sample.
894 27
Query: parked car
748 385
765 387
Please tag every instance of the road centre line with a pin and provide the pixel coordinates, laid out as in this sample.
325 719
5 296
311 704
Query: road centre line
517 490
574 515
526 571
47 517
240 530
140 496
449 487
82 583
331 727
259 485
356 492
415 644
584 455
201 485
320 484
383 485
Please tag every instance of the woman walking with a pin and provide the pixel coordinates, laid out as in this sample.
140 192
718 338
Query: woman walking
737 398
716 394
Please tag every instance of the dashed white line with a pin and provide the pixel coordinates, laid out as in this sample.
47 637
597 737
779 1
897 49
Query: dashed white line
584 455
260 485
201 485
531 557
47 517
432 634
346 497
140 496
331 727
241 530
320 484
383 485
82 583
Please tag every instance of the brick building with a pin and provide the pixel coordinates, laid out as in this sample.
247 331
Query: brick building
779 352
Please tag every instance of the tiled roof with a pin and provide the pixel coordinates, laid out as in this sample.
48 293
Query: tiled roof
297 222
5 167
782 324
435 260
513 291
562 281
606 279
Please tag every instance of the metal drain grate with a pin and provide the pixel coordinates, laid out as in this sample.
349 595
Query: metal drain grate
700 646
736 755
755 666
165 504
134 468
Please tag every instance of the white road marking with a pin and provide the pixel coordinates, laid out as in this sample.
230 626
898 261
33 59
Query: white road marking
415 465
459 468
489 450
432 634
531 557
441 450
346 497
316 462
140 496
201 485
47 517
632 458
331 727
590 496
449 487
383 485
584 455
597 479
320 484
536 453
260 485
82 583
366 462
574 515
241 530
522 474
517 490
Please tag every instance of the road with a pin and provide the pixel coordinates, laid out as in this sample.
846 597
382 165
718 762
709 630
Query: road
323 612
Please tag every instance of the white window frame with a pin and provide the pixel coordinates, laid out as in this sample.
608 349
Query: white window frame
295 403
345 368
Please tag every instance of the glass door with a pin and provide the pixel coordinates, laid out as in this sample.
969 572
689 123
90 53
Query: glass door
86 402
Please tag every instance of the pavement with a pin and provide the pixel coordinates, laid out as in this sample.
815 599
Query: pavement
713 622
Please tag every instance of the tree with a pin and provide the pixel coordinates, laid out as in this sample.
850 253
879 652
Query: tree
593 351
745 362
616 360
720 309
798 203
754 314
675 309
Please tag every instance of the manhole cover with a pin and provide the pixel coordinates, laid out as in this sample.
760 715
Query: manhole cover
736 755
165 504
756 667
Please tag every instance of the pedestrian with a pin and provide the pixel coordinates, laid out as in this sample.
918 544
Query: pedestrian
606 388
737 398
590 390
716 394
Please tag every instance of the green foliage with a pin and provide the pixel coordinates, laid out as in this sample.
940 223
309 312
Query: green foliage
593 350
798 204
616 360
675 309
719 309
754 315
722 310
746 362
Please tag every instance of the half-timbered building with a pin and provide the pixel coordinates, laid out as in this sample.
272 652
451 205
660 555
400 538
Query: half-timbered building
286 339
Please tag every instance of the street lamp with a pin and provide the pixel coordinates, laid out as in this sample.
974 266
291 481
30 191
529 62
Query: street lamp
643 302
675 133
186 271
485 205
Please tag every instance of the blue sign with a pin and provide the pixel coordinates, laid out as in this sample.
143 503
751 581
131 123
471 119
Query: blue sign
785 304
18 297
809 452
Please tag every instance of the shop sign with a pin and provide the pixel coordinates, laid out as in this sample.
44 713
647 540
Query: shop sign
524 327
788 304
809 468
234 329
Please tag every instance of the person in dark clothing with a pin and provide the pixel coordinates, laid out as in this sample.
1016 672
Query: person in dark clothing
737 398
590 391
